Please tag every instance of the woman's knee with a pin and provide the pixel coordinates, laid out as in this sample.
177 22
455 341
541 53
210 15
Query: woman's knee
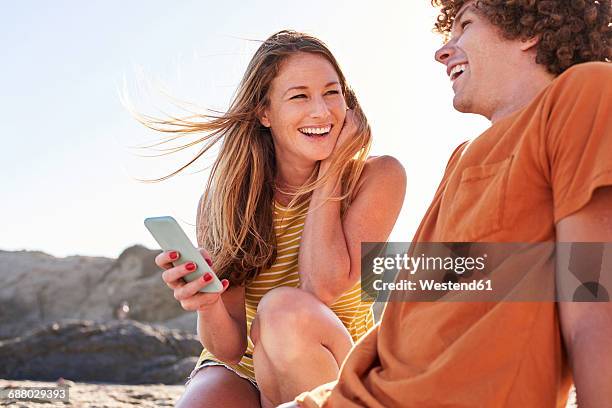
291 322
217 386
281 296
284 309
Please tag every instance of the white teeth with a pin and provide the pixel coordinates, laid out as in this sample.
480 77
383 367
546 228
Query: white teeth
457 69
316 131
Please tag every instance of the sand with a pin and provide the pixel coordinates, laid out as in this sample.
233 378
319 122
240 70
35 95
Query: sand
102 395
114 395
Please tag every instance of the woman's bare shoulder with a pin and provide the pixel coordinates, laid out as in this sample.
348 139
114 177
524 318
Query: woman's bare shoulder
384 164
383 169
379 171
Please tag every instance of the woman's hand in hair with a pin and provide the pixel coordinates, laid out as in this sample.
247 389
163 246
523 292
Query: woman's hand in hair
349 129
187 293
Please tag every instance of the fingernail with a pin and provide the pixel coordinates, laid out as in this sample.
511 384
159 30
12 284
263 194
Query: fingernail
173 255
225 283
207 277
208 261
190 266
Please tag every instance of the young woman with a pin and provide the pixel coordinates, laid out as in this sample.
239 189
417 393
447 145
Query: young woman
291 196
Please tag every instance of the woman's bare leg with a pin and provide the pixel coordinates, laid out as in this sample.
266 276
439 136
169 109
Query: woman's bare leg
218 387
299 344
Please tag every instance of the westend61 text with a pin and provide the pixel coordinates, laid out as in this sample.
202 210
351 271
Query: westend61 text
430 284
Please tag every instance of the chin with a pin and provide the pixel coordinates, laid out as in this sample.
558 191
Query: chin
321 156
461 104
319 152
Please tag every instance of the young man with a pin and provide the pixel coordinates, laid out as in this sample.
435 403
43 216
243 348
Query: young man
541 173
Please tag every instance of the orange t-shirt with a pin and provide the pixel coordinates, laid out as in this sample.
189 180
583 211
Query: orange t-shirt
511 184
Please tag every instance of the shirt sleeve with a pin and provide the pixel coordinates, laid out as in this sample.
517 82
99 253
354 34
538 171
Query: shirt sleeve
578 131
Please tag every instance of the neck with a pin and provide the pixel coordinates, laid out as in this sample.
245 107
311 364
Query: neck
521 92
290 177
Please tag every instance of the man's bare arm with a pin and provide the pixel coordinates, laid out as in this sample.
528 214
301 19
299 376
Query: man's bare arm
587 327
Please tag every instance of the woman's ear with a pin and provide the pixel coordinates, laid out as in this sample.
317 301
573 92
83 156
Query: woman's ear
530 43
263 119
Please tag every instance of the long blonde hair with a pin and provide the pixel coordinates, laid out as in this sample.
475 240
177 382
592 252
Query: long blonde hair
234 220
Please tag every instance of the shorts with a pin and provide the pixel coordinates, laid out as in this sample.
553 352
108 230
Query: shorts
209 363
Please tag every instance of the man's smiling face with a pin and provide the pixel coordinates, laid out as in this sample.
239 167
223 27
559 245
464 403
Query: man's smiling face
480 63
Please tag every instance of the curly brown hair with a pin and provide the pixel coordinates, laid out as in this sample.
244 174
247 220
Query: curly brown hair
570 31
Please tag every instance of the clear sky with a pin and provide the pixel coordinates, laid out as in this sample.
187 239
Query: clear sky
67 172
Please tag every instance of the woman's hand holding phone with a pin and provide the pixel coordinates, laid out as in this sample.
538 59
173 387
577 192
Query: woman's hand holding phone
188 293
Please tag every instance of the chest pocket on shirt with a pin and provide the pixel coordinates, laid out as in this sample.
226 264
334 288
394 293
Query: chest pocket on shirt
477 208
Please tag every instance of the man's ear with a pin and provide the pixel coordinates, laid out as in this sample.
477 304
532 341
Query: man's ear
530 43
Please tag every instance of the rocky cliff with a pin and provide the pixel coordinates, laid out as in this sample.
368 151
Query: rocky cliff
92 319
38 289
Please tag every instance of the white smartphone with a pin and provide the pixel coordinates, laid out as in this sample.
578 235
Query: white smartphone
171 237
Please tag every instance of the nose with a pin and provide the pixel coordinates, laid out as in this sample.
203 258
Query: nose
445 52
319 108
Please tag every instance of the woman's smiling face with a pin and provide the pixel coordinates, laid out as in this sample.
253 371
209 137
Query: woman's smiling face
306 109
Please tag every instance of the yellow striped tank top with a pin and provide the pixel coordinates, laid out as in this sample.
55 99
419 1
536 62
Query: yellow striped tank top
356 315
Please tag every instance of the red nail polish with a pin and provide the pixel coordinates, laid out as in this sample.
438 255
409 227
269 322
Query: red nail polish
209 262
190 266
207 277
173 255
